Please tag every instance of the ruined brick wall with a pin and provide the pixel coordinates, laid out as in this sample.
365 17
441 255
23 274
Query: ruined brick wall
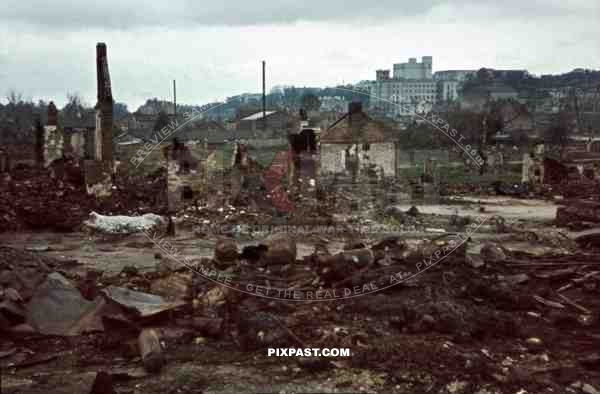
332 158
77 144
53 144
187 174
382 155
152 161
98 177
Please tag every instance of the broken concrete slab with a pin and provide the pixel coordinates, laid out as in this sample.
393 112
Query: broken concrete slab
57 308
142 305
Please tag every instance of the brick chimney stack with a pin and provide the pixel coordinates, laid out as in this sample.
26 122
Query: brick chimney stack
104 107
52 114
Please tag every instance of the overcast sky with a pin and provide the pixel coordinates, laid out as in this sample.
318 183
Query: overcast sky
214 49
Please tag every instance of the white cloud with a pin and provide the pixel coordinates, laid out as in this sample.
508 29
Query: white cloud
48 50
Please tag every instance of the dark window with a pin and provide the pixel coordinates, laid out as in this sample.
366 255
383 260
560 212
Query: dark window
186 167
187 193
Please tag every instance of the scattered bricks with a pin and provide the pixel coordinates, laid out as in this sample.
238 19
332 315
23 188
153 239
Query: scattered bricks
281 249
357 257
7 277
12 312
226 251
150 350
577 211
347 260
103 384
413 211
12 295
212 328
492 253
21 331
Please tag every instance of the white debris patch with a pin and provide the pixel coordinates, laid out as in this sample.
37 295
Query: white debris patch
124 224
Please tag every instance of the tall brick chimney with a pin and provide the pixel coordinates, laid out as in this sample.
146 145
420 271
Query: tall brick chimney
104 107
52 114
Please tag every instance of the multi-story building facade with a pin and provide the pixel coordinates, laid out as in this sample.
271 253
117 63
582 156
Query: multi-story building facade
454 75
414 70
448 91
410 92
450 82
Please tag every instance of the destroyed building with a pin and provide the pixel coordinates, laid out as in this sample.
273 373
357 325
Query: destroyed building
79 133
54 139
271 125
187 172
356 142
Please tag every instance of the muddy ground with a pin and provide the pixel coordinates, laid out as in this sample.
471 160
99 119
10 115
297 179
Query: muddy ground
492 317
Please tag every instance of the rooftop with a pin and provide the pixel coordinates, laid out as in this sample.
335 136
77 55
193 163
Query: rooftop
258 115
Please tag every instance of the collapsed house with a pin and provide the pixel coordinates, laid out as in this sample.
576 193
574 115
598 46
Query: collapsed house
187 172
576 161
357 143
54 139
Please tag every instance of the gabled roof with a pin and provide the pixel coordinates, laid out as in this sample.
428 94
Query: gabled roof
258 115
85 120
356 127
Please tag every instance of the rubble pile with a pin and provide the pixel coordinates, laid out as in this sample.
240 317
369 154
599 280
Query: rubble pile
56 198
33 198
578 213
440 307
493 320
21 273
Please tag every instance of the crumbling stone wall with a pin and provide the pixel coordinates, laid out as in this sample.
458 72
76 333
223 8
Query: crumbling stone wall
98 177
336 158
152 159
382 155
187 173
54 140
78 143
332 159
53 144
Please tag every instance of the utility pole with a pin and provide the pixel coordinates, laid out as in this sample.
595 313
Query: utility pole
174 100
264 97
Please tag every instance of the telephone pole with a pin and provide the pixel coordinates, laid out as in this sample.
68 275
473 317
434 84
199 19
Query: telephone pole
264 97
174 100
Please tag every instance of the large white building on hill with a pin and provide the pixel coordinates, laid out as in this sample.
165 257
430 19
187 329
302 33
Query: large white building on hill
410 92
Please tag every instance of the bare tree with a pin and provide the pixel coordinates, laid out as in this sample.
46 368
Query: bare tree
75 106
14 97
